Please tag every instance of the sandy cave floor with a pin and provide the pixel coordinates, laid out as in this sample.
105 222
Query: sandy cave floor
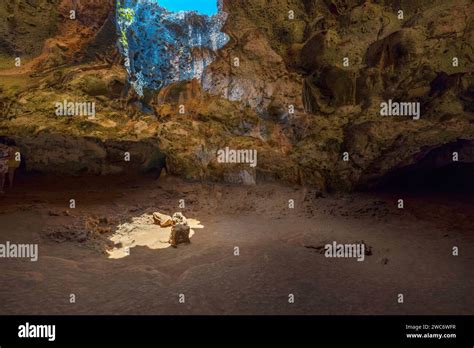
279 250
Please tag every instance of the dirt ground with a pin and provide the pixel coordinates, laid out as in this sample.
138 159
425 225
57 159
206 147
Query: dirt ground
279 250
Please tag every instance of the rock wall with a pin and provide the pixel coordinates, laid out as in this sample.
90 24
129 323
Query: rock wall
162 47
301 82
64 154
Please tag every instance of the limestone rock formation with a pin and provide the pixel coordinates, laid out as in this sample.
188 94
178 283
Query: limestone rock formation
162 219
179 234
162 47
179 219
300 81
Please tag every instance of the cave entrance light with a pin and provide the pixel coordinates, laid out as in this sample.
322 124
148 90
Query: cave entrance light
167 41
207 7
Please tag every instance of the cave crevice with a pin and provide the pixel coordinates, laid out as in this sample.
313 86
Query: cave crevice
447 168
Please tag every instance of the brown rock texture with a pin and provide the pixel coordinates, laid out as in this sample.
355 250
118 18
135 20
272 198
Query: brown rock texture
179 234
306 91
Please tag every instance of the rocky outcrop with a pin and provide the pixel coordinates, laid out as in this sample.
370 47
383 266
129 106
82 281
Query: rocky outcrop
300 82
162 47
65 154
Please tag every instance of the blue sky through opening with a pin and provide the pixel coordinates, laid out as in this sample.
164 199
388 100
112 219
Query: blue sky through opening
208 7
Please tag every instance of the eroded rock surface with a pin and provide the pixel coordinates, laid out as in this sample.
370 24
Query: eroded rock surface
161 47
305 91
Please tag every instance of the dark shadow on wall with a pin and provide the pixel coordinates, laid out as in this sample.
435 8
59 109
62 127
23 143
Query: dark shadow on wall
435 171
59 154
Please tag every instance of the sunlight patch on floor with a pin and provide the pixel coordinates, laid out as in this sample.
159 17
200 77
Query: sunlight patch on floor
142 231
